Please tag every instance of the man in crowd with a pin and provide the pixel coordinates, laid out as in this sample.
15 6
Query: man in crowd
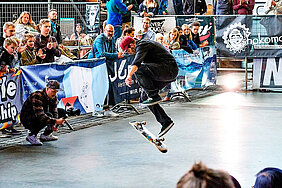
105 46
192 7
222 7
195 35
48 44
126 18
147 33
56 32
154 68
55 27
39 111
115 9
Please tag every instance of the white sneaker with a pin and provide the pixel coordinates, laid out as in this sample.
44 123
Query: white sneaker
50 137
111 113
98 114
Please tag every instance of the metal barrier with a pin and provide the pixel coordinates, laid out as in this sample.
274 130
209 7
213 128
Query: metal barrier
78 11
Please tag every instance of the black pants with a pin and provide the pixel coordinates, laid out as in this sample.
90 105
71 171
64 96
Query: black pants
152 80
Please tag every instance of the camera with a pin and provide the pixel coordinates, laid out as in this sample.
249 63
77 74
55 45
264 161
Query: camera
71 111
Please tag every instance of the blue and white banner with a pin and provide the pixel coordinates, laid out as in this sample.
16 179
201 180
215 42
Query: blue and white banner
88 80
267 73
118 70
196 70
11 99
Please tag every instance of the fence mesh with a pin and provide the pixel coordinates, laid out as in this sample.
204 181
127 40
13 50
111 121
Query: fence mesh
12 10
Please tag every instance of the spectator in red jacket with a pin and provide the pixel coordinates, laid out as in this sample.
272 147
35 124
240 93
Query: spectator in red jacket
243 7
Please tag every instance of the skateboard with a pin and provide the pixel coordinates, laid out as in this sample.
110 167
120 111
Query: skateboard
158 142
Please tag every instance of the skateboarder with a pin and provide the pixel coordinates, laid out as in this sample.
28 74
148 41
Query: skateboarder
154 68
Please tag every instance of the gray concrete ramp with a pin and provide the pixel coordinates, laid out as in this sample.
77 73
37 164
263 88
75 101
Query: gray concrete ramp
238 132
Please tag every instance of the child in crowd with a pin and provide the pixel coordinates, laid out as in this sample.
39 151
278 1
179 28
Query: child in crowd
7 56
160 39
139 35
127 32
29 57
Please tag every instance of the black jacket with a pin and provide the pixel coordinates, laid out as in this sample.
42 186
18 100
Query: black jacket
151 52
6 58
156 57
127 16
41 43
57 34
200 7
36 106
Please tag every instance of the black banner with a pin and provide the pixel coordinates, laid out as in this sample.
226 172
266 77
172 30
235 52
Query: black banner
249 36
118 70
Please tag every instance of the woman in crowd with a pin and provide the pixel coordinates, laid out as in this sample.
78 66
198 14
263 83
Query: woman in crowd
29 57
127 32
185 40
82 38
148 8
160 39
173 39
24 24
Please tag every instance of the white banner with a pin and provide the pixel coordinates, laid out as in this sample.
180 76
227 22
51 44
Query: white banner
267 73
159 24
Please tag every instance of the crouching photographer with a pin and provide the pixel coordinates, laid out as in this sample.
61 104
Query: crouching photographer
40 111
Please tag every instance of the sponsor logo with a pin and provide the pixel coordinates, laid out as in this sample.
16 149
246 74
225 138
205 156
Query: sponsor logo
236 37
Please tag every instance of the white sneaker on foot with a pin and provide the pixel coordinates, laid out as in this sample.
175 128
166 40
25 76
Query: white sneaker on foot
111 113
50 137
98 114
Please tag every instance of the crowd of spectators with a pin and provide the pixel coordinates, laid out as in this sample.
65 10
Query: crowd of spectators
26 43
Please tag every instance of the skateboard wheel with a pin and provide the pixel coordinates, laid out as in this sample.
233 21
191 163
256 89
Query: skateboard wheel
144 122
162 139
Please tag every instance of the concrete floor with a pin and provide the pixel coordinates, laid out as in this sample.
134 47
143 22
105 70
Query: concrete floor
238 132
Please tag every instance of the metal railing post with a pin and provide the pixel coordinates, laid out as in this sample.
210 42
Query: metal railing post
49 5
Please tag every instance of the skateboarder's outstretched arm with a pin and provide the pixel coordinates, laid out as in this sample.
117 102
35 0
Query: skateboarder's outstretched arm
128 80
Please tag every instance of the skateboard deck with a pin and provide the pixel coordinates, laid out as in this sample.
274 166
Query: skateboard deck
158 142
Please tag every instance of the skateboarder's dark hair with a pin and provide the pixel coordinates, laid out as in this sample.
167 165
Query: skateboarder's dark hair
200 176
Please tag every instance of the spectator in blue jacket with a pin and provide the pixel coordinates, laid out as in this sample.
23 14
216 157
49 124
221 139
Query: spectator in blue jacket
170 7
222 7
115 9
105 45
